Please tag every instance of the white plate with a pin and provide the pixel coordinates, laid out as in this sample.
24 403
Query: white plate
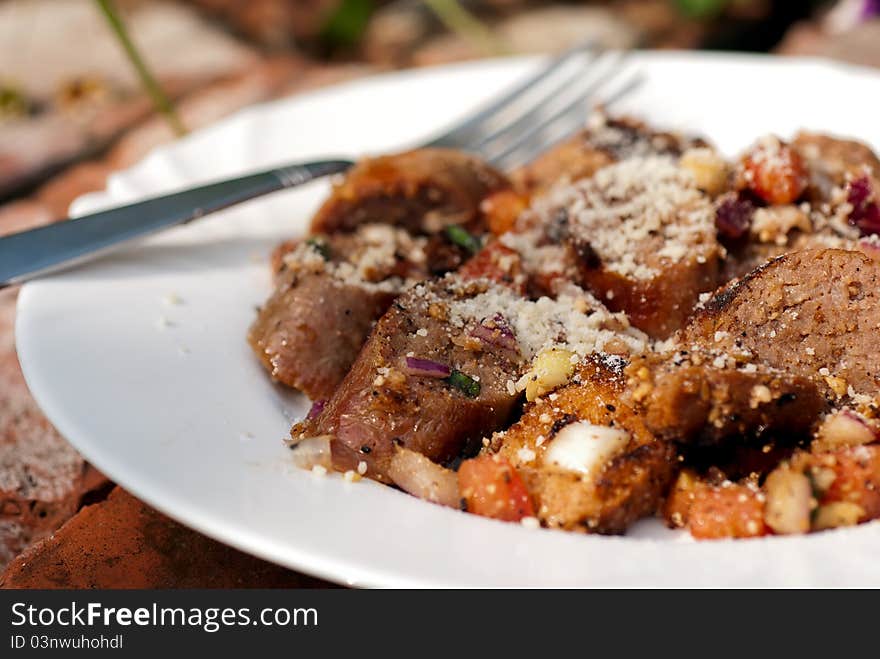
184 417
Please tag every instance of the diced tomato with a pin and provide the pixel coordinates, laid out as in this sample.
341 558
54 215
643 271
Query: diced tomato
491 487
501 210
857 478
775 173
498 263
735 511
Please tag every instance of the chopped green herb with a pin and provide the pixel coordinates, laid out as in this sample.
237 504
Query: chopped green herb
462 238
464 383
320 246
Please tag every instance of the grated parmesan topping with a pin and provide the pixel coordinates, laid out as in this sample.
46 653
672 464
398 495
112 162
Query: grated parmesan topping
638 215
575 321
368 263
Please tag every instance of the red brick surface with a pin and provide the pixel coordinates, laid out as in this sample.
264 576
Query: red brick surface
42 479
122 543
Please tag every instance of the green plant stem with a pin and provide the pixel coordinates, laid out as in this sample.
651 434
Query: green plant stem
160 100
460 20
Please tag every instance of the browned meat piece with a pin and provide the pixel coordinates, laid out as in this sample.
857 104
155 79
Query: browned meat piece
831 160
661 304
310 331
276 258
813 314
571 160
688 399
604 141
478 338
329 292
778 230
399 390
423 191
744 258
587 458
639 234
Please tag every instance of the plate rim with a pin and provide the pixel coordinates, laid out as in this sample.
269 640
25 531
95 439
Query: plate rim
336 570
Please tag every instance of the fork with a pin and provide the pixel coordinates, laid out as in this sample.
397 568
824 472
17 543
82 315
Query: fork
540 111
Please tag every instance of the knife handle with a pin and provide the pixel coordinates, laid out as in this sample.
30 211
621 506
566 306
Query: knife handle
44 249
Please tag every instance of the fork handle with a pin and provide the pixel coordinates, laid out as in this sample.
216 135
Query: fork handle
37 251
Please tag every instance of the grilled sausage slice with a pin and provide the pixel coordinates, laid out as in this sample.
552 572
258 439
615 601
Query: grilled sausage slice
605 140
813 314
329 292
423 191
689 400
398 393
446 363
639 234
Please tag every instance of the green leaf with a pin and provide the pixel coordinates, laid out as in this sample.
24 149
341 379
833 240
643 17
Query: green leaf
160 100
461 21
346 24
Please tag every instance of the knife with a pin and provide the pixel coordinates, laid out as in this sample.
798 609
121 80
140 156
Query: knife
31 253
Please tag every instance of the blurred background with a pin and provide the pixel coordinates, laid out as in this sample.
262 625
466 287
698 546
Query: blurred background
68 90
88 87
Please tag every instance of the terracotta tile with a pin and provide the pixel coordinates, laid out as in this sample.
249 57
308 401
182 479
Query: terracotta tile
57 195
42 478
207 105
122 543
83 97
22 215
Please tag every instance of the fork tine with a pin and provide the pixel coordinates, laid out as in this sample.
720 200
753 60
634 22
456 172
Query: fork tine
540 127
524 126
566 122
630 85
454 135
534 105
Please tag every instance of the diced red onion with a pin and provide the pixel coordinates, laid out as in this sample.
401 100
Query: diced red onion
414 473
858 191
316 409
866 211
733 216
426 368
495 331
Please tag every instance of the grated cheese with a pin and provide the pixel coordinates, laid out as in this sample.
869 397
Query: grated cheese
638 215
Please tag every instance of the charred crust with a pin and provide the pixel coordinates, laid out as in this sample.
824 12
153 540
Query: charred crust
559 424
786 399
